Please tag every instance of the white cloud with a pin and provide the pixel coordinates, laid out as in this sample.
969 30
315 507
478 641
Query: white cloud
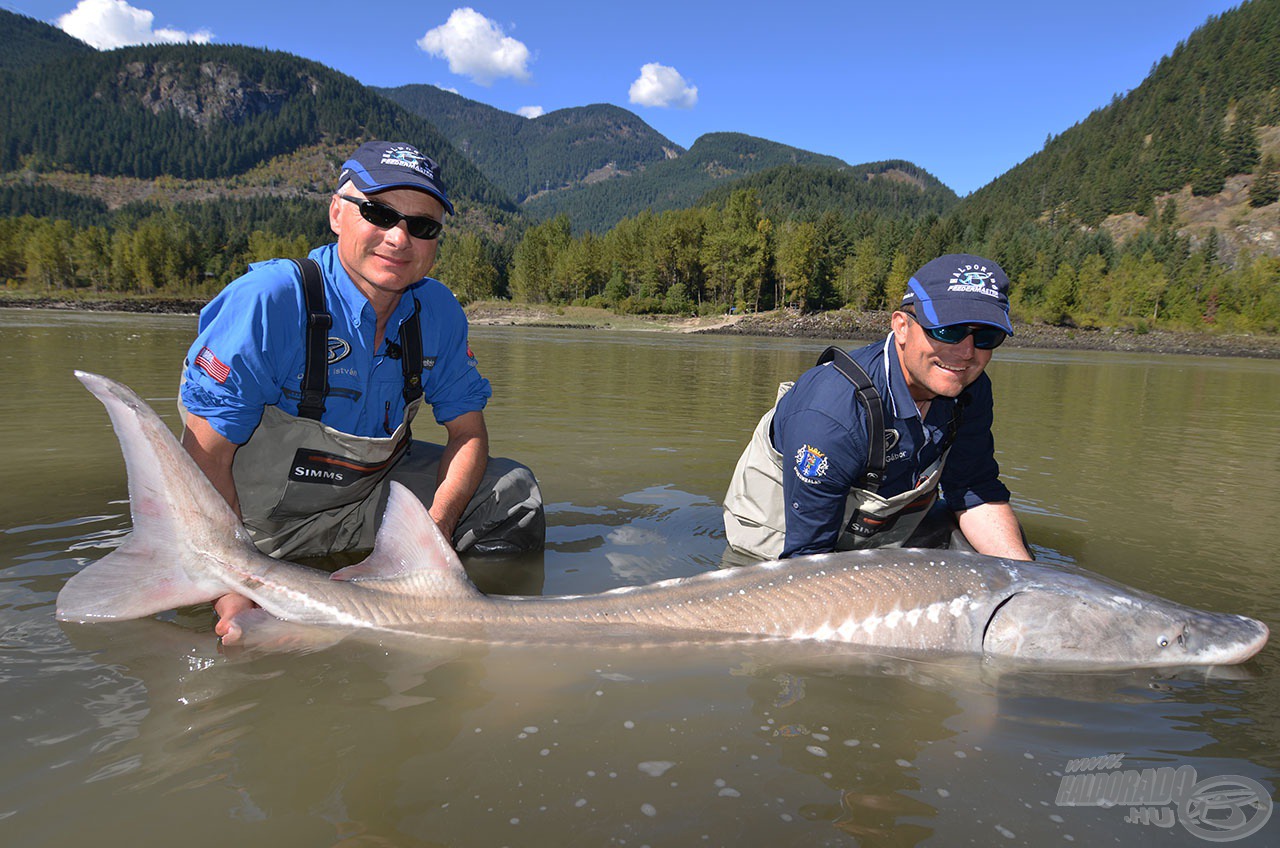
476 47
114 23
659 85
529 111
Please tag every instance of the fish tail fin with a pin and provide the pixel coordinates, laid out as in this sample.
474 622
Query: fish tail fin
411 550
126 583
171 502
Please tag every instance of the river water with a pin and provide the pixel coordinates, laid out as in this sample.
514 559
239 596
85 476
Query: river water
1160 472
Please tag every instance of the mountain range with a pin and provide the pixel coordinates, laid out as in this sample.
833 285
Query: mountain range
195 122
209 121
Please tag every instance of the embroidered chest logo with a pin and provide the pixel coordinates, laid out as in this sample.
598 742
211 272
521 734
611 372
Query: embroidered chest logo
811 464
891 438
339 349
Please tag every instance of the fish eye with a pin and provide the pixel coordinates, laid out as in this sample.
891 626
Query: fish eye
1164 643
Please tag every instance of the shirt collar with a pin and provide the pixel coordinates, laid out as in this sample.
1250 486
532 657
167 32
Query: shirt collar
904 405
357 305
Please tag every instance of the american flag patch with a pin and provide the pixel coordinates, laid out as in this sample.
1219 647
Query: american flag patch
212 365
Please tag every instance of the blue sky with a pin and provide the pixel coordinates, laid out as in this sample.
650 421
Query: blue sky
966 91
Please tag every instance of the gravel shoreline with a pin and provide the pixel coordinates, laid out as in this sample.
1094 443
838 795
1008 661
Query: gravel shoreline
840 324
849 325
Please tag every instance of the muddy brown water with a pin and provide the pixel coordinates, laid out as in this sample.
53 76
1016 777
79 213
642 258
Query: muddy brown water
1160 472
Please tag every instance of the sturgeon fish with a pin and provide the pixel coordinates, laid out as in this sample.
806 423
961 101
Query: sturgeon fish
187 547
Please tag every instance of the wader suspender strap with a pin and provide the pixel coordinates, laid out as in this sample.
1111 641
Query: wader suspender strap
315 374
870 399
411 355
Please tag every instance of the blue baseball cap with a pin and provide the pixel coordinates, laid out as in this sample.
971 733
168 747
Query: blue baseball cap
959 288
380 165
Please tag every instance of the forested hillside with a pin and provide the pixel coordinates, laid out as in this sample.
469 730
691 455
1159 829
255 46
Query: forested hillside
525 156
715 158
199 111
599 164
1159 210
29 42
807 192
1200 117
165 169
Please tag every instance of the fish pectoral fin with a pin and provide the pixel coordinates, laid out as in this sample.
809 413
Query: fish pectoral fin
258 631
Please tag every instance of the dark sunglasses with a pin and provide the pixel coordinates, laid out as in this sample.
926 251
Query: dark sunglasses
384 217
984 338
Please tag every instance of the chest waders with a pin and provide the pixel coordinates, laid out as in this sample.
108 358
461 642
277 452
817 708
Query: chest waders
755 509
306 488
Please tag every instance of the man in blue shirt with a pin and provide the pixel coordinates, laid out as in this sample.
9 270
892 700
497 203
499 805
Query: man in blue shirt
304 378
854 454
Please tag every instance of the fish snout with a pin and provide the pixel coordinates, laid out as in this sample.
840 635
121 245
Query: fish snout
1221 639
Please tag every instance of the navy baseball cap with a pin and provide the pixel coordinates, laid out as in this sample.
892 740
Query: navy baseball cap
380 165
959 288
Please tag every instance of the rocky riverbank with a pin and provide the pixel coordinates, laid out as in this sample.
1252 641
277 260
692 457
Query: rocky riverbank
840 324
845 324
142 305
868 325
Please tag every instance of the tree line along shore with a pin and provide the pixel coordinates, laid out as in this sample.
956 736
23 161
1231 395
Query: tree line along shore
841 324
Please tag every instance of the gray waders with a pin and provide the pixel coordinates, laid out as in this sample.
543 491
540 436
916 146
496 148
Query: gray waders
306 489
755 509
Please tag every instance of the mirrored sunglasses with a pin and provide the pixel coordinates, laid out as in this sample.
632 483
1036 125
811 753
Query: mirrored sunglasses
984 337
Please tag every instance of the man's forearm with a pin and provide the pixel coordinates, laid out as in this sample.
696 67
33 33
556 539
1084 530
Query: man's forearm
462 467
214 454
994 530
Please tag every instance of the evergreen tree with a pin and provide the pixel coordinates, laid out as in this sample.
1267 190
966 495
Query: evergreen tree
1242 147
1265 189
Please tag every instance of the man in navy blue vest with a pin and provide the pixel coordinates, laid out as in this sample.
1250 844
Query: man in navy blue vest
816 478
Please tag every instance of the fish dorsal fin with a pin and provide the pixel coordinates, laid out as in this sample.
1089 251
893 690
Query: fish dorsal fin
410 550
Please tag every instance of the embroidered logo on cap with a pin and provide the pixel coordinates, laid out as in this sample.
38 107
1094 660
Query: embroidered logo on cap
974 278
407 157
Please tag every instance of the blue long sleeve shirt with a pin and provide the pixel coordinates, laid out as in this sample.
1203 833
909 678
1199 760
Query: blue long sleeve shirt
251 346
